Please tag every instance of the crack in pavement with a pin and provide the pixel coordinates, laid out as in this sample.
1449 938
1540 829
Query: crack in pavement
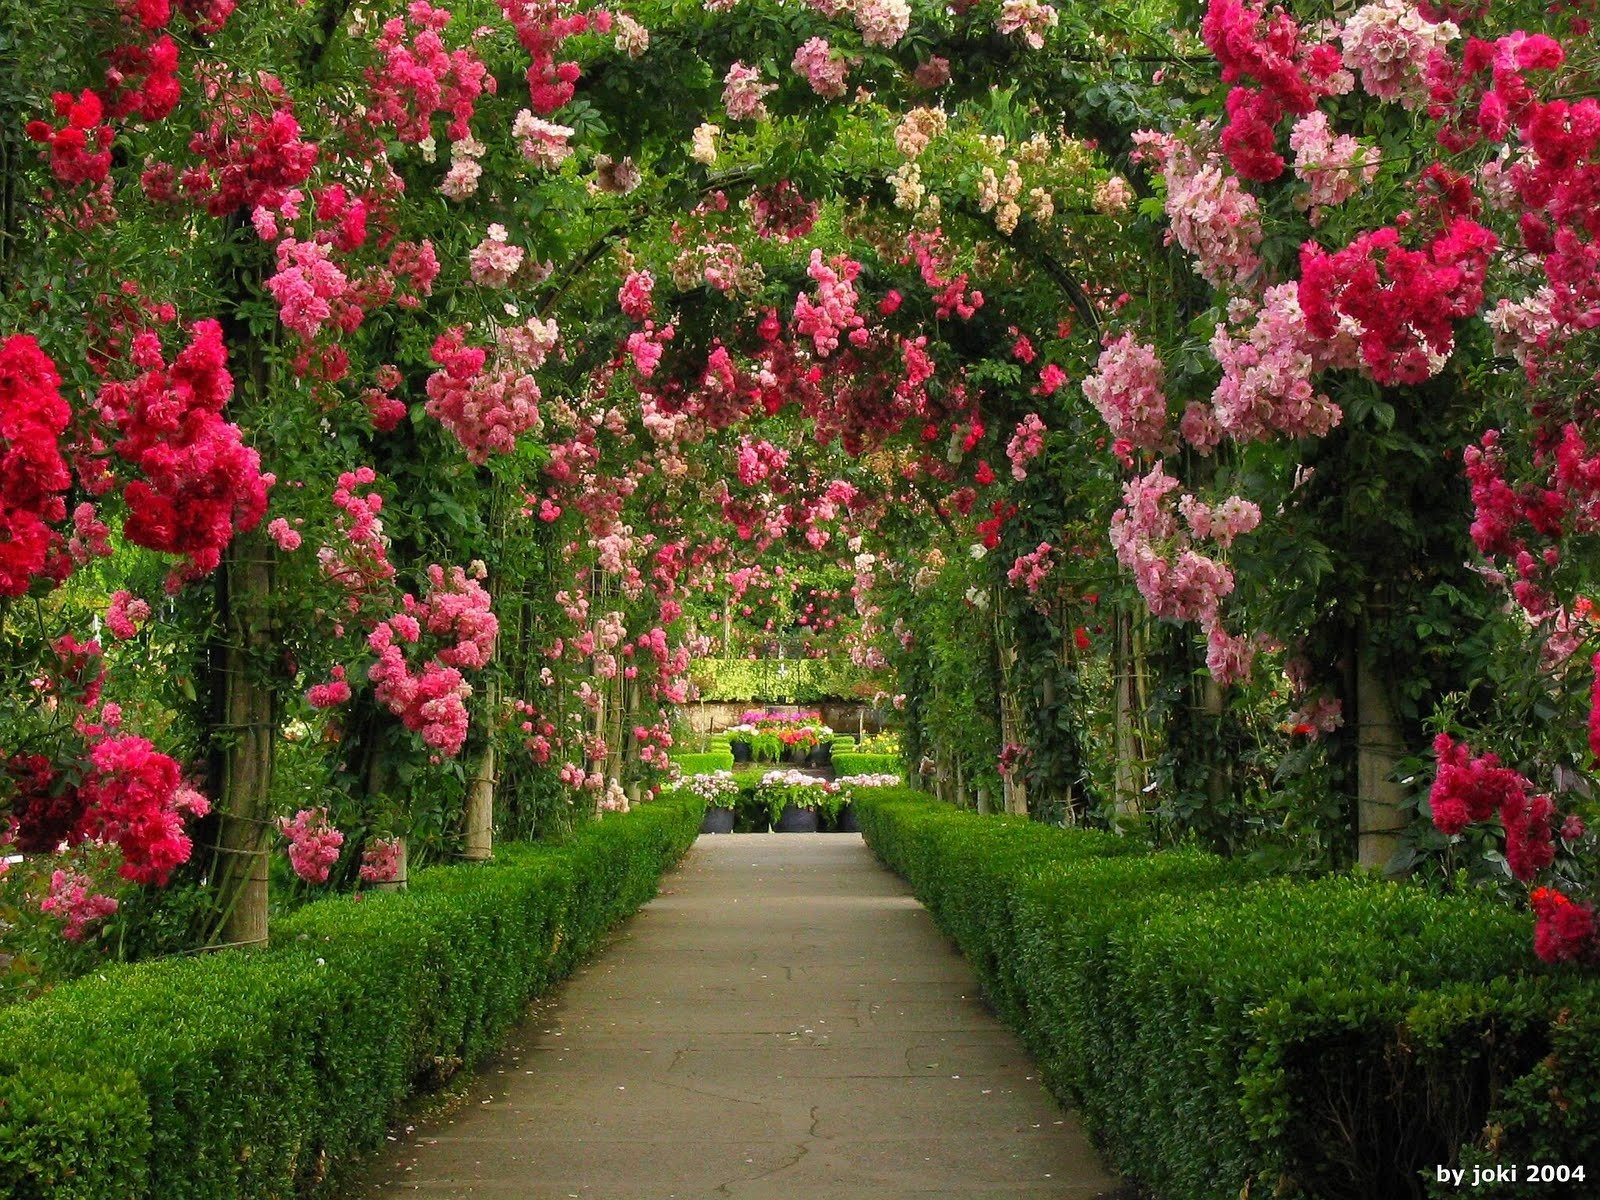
800 1152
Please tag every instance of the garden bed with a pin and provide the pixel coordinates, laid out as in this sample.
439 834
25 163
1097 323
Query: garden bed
1334 1038
267 1074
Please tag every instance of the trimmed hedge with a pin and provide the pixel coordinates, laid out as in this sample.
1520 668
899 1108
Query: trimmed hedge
715 759
853 762
790 681
266 1074
1334 1038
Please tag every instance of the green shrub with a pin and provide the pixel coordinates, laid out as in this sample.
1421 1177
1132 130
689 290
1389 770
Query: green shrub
715 759
64 1136
1333 1039
852 762
791 681
265 1074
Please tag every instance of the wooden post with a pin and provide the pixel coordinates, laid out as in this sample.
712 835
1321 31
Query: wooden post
243 745
479 817
1379 748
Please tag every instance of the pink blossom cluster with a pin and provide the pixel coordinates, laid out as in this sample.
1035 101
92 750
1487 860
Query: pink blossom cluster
33 472
824 68
950 295
634 295
1221 523
543 143
125 614
1176 580
199 483
487 410
366 561
380 860
72 898
1030 570
1210 215
1029 18
311 290
1404 302
332 693
1472 788
1266 377
833 314
881 22
495 261
1334 167
418 75
431 699
134 796
284 535
760 460
1026 444
1389 44
251 155
1126 389
541 26
743 93
313 843
458 610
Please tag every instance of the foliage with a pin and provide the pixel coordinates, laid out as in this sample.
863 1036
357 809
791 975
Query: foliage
848 763
791 681
1334 1038
713 760
267 1074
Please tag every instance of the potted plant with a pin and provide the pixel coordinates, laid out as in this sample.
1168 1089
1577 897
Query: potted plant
739 738
844 816
793 800
766 746
720 791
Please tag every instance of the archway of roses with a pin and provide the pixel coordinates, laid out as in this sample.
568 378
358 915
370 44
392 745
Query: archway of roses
396 400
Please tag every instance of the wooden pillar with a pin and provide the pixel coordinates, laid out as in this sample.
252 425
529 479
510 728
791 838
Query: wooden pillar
244 745
1379 748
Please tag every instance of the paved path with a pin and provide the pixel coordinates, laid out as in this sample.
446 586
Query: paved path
784 1022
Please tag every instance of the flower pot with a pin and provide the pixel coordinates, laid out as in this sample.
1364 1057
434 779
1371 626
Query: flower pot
718 820
821 755
795 819
741 751
794 754
846 822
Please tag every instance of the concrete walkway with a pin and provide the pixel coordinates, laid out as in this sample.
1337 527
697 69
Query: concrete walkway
784 1021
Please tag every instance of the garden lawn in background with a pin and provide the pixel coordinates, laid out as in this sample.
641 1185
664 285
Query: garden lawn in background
244 1076
1335 1038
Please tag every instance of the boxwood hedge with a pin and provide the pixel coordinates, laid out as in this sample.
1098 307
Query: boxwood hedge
718 758
264 1074
1221 1036
854 762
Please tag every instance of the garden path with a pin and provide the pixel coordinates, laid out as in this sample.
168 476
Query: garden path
783 1021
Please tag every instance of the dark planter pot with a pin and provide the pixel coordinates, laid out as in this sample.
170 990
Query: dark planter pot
796 820
741 751
795 754
821 755
846 822
718 820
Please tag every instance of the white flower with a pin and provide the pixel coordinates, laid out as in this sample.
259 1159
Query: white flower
977 550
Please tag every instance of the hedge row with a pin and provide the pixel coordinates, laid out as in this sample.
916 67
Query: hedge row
691 763
265 1074
788 681
1335 1038
857 763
